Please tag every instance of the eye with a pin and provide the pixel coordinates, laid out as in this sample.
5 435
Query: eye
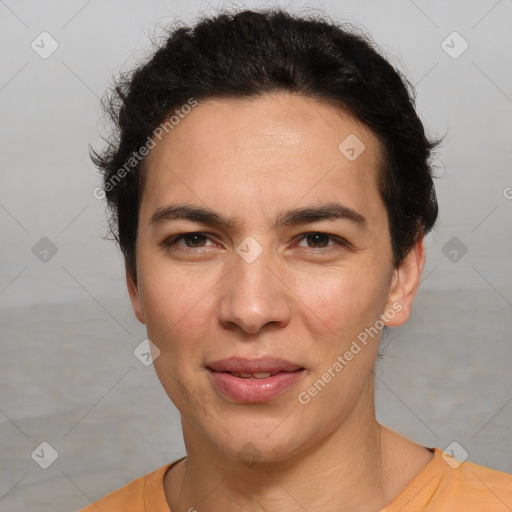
190 240
317 240
198 240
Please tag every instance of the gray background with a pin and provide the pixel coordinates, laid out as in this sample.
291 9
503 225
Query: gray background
68 375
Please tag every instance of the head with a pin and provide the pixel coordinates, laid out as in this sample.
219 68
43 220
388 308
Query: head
292 149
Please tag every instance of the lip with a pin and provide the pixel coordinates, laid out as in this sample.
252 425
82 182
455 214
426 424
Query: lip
253 390
262 364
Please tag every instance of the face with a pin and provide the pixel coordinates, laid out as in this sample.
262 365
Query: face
261 237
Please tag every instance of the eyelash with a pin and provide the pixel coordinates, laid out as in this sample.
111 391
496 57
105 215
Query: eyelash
170 242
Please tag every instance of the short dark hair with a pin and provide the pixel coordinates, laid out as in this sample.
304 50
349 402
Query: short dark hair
249 53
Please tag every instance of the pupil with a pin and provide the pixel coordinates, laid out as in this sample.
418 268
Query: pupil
195 239
316 239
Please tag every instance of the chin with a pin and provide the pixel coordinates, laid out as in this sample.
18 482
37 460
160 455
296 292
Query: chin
252 445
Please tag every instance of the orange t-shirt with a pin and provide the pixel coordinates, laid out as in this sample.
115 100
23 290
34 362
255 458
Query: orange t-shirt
438 487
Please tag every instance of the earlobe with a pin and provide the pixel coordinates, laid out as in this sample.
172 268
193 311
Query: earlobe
134 296
404 285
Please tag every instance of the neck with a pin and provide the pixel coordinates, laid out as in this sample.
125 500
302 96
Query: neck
359 467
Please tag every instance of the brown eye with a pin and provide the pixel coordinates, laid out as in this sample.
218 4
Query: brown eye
317 240
190 240
194 239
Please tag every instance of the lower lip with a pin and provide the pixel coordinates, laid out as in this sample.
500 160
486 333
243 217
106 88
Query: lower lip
254 390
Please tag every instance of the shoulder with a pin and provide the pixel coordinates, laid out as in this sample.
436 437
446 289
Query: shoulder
480 485
448 485
133 497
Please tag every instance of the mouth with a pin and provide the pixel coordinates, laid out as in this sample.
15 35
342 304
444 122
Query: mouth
253 381
252 367
259 375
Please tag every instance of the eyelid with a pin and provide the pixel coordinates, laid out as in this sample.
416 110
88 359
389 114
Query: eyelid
337 239
174 239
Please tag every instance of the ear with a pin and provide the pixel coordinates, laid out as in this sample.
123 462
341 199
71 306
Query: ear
131 284
404 285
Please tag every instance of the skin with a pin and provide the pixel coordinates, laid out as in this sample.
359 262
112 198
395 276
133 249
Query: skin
303 299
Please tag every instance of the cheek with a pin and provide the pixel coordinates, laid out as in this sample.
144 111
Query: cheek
178 312
169 292
177 305
342 301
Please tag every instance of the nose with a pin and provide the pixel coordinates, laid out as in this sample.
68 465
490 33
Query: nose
253 297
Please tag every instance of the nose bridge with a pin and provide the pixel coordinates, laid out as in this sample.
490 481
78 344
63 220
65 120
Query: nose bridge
252 295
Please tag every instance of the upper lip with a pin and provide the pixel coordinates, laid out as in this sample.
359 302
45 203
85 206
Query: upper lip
261 364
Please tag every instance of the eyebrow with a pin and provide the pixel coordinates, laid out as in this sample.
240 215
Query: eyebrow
293 217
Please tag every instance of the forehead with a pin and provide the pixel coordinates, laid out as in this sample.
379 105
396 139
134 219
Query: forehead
273 151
